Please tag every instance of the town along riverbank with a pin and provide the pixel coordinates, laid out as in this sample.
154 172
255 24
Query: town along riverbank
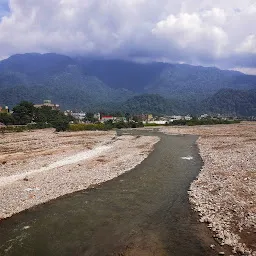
142 212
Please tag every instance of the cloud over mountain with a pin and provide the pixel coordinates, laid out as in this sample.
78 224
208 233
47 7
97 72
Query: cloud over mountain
196 32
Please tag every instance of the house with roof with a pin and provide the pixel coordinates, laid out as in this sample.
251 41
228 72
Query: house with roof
48 103
107 118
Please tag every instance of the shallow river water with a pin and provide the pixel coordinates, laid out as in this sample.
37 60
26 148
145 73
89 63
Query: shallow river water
143 212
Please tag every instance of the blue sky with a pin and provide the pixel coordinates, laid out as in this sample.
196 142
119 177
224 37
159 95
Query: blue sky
200 32
4 8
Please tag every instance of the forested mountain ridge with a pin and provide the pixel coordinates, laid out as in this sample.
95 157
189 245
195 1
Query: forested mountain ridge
35 77
232 102
82 83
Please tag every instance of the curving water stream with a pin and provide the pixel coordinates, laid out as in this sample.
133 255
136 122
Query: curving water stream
143 212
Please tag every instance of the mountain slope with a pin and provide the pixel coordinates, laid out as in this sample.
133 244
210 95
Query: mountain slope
123 74
232 102
80 83
168 80
148 103
36 65
36 77
185 81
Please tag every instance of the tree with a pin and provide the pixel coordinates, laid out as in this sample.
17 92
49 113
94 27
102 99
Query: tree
54 118
90 117
135 119
6 118
23 113
61 125
127 116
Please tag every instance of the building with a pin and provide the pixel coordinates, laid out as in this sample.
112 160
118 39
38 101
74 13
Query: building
150 117
159 122
187 117
4 110
203 116
174 118
78 115
97 116
107 118
48 103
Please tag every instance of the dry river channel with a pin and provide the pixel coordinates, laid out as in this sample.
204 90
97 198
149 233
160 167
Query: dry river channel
142 212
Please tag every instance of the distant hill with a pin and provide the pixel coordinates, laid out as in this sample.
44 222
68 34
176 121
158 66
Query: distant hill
168 80
196 82
36 77
232 102
85 84
123 74
148 103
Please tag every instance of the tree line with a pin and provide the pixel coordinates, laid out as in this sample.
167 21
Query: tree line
26 114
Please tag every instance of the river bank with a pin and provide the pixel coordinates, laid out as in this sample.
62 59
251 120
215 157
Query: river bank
224 193
41 165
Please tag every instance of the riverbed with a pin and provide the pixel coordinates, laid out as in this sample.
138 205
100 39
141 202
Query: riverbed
39 166
142 212
224 193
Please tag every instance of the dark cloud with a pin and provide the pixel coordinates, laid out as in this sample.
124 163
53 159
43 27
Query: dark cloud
189 31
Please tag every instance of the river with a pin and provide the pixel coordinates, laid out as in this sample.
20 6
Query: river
142 212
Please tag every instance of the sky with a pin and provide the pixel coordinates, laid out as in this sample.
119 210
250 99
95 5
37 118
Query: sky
199 32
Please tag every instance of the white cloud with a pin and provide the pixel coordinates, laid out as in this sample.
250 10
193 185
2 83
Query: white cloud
249 71
194 31
214 16
191 32
248 45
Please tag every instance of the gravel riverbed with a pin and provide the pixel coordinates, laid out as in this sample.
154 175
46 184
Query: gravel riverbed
224 193
39 166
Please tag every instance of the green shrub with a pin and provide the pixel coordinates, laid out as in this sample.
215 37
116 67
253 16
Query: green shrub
40 125
152 124
60 126
14 128
89 127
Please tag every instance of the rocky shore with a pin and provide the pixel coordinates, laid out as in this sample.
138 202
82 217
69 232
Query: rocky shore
41 165
224 193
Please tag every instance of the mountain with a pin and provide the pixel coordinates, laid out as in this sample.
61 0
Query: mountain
196 82
36 77
35 64
89 84
180 81
232 102
125 74
148 103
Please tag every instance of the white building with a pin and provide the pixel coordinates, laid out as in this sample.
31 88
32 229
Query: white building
187 117
78 115
160 122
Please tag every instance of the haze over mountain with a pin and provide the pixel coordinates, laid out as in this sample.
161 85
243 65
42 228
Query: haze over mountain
95 84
